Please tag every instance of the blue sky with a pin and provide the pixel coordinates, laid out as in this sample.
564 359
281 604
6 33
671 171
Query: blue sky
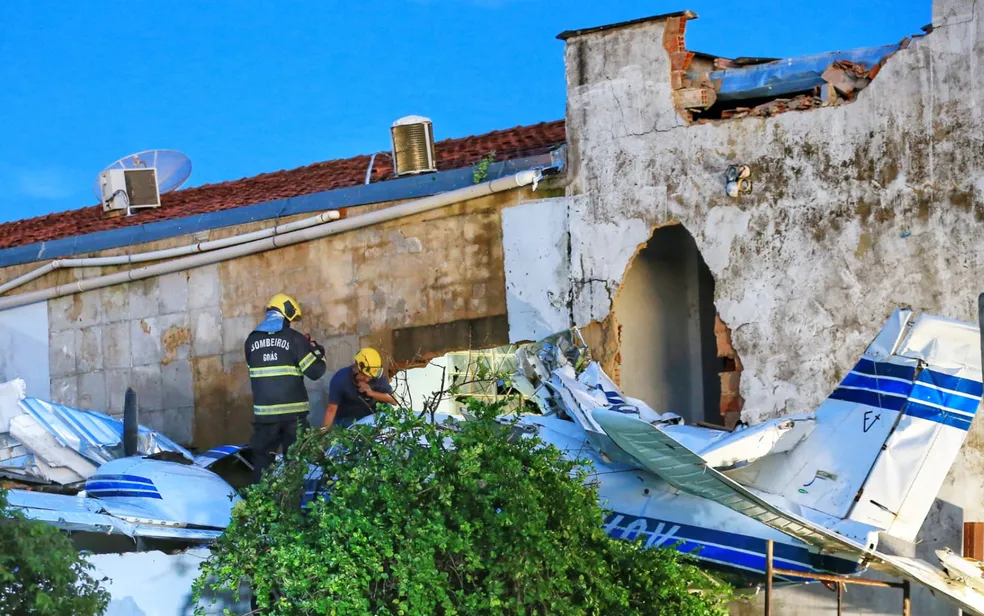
246 87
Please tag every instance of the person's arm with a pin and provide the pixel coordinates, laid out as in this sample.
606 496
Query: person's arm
312 363
384 395
334 398
329 416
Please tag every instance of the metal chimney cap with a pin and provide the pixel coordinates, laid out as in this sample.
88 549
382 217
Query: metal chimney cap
411 119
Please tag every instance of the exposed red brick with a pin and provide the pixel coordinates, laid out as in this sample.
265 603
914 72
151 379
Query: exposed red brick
731 404
508 144
677 79
730 383
680 60
674 27
731 419
973 540
724 348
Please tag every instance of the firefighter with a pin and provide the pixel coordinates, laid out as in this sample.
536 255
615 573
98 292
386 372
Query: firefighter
355 390
279 358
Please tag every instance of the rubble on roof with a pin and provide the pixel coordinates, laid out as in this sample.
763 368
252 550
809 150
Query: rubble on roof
721 88
792 75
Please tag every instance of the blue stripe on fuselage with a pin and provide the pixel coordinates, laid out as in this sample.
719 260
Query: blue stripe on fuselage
953 383
883 368
127 493
134 478
740 550
891 402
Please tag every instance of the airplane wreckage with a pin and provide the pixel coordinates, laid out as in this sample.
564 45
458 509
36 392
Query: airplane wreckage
823 486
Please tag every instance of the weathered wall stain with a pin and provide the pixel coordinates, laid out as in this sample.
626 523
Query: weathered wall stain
172 339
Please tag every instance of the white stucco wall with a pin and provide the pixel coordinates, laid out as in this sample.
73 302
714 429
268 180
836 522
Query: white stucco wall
24 348
810 265
538 285
856 210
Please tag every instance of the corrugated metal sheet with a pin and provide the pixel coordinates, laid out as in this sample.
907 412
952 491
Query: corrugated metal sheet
96 436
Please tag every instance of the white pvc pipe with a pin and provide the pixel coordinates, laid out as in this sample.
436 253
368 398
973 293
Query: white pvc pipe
170 253
410 208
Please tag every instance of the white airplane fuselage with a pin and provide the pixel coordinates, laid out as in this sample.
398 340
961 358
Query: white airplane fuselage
639 504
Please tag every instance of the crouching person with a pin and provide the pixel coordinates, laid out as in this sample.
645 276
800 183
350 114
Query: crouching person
355 390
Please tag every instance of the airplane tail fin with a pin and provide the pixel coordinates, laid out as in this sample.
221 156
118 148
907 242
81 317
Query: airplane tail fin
887 436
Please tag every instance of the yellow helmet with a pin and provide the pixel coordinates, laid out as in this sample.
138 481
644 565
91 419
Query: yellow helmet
286 305
369 363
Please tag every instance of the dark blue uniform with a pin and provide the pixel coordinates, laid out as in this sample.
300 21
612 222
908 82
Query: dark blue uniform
353 405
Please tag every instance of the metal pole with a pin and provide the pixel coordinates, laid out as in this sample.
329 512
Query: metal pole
840 599
768 577
131 433
906 601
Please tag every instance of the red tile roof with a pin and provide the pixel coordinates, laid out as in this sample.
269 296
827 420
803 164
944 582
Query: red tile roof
518 142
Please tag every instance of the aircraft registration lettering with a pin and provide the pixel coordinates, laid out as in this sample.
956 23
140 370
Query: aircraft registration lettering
641 526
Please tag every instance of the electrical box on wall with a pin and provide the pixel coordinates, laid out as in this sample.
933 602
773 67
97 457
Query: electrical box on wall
127 189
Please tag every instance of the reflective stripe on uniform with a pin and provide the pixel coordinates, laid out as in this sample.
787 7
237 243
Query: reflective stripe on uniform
274 371
307 361
281 409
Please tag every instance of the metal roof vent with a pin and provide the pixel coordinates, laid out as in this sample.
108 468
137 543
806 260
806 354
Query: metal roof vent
413 145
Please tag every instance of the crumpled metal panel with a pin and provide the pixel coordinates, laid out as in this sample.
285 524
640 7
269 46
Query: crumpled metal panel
212 456
788 76
96 436
683 469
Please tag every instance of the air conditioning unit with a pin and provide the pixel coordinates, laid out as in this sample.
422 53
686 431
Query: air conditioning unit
129 189
413 145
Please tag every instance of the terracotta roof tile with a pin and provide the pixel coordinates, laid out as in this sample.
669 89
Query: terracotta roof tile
518 142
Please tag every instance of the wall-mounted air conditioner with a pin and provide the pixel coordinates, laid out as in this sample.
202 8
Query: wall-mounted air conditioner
129 189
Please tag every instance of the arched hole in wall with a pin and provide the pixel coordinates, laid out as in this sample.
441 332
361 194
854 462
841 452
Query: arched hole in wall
674 352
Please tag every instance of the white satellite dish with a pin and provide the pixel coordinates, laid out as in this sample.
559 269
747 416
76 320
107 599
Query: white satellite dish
173 168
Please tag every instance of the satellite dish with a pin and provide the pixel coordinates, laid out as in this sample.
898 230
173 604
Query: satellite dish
173 168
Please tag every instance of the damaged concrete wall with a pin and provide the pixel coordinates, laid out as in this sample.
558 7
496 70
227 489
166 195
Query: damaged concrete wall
855 210
413 288
24 348
536 246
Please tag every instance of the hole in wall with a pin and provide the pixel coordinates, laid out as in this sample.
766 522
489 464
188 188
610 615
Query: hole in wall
444 383
709 88
674 351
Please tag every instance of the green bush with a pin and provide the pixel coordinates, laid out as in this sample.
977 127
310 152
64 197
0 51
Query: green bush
427 518
41 572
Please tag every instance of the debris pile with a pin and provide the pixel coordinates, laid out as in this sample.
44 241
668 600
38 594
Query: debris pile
763 87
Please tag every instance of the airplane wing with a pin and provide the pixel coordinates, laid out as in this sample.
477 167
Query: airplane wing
80 514
683 469
688 472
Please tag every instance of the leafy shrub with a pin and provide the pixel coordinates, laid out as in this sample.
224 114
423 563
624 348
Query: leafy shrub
41 572
425 518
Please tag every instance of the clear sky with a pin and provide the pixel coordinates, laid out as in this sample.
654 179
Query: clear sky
245 87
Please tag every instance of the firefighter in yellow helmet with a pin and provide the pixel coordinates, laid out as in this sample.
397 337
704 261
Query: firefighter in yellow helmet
279 358
355 390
